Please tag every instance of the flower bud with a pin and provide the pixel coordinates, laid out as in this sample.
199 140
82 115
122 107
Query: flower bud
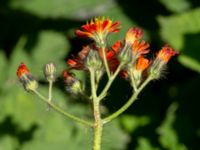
26 78
73 85
93 60
49 71
125 56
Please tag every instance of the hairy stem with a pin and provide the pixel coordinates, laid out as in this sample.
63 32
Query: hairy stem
98 126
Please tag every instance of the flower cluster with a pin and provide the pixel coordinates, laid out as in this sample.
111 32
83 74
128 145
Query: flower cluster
127 57
130 53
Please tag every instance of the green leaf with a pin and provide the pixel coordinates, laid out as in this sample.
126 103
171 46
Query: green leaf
61 8
21 106
8 143
144 144
176 6
57 133
131 123
168 136
3 69
182 32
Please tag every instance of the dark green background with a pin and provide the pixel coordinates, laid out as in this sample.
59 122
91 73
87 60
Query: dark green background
166 114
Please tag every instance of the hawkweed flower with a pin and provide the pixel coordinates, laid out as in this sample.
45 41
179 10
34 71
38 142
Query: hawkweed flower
98 29
140 66
26 78
161 60
73 85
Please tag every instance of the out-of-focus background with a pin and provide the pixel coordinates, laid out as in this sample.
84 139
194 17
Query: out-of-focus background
166 114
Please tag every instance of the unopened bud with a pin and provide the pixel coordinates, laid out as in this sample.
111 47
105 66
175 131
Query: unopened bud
125 56
73 85
49 71
26 78
93 60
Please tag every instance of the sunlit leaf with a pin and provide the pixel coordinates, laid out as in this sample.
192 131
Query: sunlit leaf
8 143
144 144
131 123
3 69
176 5
61 8
168 136
182 32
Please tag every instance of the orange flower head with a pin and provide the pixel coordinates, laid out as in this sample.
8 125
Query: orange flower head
98 29
133 34
142 63
140 48
165 54
22 70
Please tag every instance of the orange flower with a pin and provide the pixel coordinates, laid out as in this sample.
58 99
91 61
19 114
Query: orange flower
132 35
165 54
98 29
78 61
22 70
142 63
140 48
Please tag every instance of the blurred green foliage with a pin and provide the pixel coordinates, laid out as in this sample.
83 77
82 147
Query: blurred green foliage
166 115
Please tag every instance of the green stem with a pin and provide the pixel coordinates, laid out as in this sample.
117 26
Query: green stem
133 80
61 111
109 83
128 103
105 61
98 126
50 90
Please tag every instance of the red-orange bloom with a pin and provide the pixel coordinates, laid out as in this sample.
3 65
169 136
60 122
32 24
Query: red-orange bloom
133 34
140 48
22 70
142 63
78 61
165 54
98 28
